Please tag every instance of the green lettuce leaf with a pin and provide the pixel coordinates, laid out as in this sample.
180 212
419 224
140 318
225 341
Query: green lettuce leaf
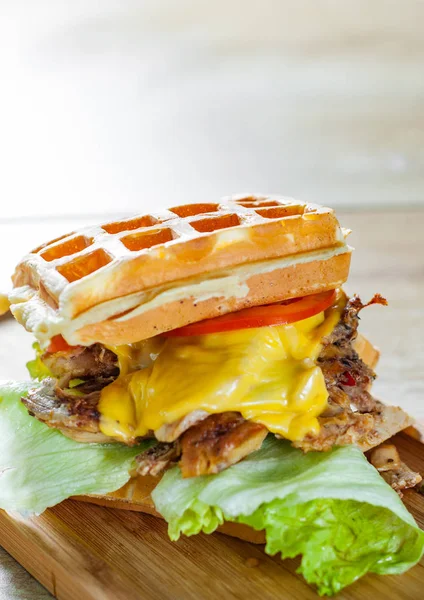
339 540
36 368
178 501
333 508
40 467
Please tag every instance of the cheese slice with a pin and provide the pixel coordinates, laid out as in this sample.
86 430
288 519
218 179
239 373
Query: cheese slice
4 303
268 374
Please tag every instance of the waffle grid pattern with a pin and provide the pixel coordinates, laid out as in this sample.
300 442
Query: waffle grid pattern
99 263
114 282
77 255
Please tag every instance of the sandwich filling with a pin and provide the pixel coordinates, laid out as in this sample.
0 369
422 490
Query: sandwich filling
268 374
272 402
210 400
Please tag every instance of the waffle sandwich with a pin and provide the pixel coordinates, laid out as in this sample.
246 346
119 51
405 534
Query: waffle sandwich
210 342
126 281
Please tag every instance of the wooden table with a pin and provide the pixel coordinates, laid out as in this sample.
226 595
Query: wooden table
389 258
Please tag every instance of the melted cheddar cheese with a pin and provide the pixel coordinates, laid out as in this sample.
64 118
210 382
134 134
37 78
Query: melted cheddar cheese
268 374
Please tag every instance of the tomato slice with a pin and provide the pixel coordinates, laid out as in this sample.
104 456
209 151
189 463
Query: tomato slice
58 344
281 313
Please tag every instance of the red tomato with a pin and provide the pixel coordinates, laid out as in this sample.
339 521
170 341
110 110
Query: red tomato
347 379
281 313
58 344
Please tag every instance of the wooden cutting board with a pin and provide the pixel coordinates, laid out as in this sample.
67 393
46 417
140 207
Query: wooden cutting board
81 551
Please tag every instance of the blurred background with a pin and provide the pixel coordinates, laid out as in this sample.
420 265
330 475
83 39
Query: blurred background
119 105
113 107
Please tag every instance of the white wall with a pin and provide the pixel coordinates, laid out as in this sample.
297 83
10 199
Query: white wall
116 105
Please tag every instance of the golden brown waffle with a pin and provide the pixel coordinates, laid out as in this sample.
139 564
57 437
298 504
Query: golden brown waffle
128 280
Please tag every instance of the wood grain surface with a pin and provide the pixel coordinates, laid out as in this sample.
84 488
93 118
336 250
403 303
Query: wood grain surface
388 258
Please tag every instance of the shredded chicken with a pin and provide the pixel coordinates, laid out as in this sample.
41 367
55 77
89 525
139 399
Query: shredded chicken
48 404
156 459
81 362
339 430
353 416
217 442
172 431
347 377
74 411
401 478
366 430
76 417
346 329
385 457
386 460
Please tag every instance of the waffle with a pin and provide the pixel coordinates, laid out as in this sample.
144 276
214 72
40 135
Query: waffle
128 280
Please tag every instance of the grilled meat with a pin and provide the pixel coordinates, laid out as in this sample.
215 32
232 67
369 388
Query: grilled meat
338 430
74 411
172 431
401 478
386 460
217 442
387 421
157 459
353 416
62 410
209 446
51 406
86 387
366 430
81 362
347 377
346 330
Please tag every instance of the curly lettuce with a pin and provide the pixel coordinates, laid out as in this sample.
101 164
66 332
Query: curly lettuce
36 368
333 508
40 467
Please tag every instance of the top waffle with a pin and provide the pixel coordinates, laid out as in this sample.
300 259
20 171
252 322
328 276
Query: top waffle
95 265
